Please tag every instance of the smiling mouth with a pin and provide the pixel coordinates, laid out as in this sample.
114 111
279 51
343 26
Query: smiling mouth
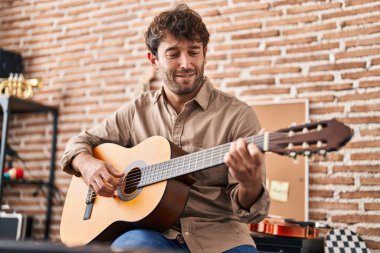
185 75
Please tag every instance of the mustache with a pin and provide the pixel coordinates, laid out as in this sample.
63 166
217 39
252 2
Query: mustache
185 72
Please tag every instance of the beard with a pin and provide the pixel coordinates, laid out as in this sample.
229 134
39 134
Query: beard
184 81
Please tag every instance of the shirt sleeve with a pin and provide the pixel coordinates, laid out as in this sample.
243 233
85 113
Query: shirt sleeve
115 128
246 125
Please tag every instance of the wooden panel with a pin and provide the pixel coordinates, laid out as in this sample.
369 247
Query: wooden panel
282 169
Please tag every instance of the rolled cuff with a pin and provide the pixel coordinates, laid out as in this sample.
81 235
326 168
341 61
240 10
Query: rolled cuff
68 157
257 212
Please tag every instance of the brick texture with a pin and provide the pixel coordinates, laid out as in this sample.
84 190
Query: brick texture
92 58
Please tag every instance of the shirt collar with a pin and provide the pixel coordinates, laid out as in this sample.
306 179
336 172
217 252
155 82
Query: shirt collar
157 94
204 94
202 98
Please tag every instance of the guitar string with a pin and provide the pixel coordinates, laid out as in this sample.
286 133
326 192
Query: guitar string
132 184
134 177
177 160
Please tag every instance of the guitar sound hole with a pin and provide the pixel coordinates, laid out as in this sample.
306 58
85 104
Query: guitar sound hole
131 181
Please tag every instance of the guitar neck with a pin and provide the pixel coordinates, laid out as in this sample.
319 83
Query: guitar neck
190 163
312 138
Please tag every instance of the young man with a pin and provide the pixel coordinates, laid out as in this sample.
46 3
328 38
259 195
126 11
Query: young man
188 111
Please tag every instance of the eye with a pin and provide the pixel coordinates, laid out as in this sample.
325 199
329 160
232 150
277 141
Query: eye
174 55
193 53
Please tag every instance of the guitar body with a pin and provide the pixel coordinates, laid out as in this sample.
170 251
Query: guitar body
156 206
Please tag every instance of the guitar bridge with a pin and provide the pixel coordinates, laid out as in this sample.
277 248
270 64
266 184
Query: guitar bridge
90 199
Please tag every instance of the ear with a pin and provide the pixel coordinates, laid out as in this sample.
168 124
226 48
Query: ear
205 51
205 54
152 59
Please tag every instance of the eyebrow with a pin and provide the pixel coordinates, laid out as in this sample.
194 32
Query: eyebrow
175 47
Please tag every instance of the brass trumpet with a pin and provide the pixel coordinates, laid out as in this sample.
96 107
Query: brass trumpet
17 86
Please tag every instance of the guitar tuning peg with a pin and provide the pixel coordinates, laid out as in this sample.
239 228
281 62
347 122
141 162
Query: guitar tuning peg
322 152
293 155
307 153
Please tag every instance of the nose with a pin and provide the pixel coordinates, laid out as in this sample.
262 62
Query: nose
185 61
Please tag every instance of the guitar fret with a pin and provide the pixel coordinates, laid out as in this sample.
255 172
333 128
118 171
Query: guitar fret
183 167
159 168
222 152
189 164
143 173
148 172
165 168
212 157
154 168
172 170
178 165
175 164
203 160
196 160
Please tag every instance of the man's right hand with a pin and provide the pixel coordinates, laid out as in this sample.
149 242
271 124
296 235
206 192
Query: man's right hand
99 175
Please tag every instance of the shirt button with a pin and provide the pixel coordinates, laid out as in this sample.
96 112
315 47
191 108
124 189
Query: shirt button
186 233
180 238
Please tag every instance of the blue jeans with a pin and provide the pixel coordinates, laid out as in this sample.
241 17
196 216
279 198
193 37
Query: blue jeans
141 238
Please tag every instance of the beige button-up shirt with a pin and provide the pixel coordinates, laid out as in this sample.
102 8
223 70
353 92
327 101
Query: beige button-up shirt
212 220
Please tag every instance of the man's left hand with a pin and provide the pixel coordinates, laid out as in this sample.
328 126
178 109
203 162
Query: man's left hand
245 164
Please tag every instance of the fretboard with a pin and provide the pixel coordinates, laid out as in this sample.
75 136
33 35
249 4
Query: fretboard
190 163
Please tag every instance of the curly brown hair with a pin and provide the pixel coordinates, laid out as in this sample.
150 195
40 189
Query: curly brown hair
182 22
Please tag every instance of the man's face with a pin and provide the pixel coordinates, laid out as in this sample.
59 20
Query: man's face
180 64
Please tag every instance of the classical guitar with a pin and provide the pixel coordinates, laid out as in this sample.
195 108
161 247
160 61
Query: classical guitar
154 190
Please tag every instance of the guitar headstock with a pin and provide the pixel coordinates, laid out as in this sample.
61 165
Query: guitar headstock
314 138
